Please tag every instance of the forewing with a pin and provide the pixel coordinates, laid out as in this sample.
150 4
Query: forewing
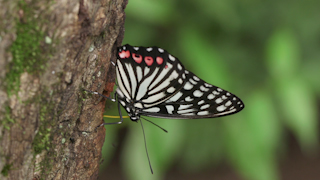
197 99
148 76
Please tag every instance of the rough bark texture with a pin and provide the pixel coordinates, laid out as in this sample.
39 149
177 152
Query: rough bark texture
49 52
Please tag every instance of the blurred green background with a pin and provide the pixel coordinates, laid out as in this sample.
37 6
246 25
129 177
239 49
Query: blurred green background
265 52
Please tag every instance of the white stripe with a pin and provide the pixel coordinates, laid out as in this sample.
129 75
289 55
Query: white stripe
153 99
138 105
153 109
133 80
175 97
121 85
165 83
146 71
139 73
161 75
143 88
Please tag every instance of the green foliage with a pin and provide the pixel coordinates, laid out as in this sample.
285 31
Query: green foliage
266 52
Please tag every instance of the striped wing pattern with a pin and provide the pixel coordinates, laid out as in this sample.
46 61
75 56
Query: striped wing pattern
197 99
154 83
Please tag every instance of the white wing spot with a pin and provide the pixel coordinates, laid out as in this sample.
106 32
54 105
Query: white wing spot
239 102
160 50
149 49
193 81
183 76
124 48
201 102
207 85
188 86
219 100
224 97
187 72
203 113
171 90
153 109
185 111
196 78
241 105
179 66
180 81
205 106
228 103
136 48
202 88
221 108
197 93
128 109
228 94
170 108
219 89
171 57
215 93
184 106
232 108
234 98
211 96
188 99
188 114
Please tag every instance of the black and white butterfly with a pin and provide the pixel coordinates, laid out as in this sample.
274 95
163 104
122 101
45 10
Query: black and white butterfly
152 82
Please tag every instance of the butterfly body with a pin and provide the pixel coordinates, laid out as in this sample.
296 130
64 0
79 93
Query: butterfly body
154 83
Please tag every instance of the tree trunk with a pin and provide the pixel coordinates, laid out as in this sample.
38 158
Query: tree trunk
49 52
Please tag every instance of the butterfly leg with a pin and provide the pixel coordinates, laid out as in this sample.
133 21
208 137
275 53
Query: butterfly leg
93 92
121 118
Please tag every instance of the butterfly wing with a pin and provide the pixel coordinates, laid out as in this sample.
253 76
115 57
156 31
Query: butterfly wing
196 99
147 76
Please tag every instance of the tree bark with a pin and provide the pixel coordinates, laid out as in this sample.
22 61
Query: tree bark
49 52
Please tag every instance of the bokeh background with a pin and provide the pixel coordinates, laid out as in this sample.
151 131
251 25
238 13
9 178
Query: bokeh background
265 52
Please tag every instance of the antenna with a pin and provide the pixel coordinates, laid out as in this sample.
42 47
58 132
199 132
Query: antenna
145 144
155 124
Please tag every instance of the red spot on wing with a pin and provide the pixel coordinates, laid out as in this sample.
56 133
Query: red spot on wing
166 66
124 54
148 60
159 60
137 57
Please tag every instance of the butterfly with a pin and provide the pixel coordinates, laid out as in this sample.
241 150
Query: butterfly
152 82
